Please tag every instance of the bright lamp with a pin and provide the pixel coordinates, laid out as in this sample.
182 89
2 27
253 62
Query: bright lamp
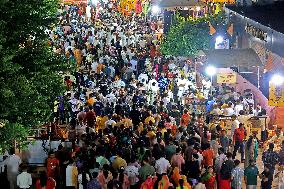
277 79
155 9
219 39
210 70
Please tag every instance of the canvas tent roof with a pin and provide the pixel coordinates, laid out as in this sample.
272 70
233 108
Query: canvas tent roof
224 58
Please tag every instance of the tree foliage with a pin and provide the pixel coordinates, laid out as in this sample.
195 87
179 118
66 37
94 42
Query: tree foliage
187 36
29 76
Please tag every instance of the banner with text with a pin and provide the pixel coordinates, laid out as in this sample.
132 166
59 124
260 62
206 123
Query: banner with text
229 78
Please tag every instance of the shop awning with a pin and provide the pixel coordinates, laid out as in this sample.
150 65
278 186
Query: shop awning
225 58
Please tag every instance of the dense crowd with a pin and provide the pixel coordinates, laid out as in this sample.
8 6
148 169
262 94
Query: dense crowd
138 119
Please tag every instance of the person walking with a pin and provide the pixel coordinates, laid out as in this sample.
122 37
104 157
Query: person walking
13 162
271 158
238 140
251 150
237 176
226 172
251 173
45 182
94 183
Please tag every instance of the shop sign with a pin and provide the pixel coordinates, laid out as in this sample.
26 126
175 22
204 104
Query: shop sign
228 78
276 95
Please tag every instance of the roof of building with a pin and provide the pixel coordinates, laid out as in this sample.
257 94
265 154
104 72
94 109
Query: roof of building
177 3
268 15
224 58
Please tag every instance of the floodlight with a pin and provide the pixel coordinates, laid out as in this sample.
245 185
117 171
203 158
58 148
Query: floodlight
155 9
277 79
219 39
210 70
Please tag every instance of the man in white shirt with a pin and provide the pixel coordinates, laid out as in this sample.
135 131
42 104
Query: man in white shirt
162 165
24 180
238 107
12 164
235 125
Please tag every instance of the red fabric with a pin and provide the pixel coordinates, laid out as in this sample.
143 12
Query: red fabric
148 183
224 184
90 118
52 167
50 184
208 157
80 12
239 134
185 120
138 8
210 183
152 52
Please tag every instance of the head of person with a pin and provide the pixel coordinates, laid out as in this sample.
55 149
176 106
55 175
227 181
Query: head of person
251 162
51 154
237 162
24 167
267 167
241 125
43 179
234 117
229 155
223 132
95 173
221 151
195 156
210 170
207 146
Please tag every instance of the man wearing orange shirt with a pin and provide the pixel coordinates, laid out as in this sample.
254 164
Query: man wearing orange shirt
185 118
208 156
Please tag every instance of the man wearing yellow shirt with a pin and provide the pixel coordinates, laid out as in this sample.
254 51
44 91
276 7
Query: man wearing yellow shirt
118 162
101 120
148 119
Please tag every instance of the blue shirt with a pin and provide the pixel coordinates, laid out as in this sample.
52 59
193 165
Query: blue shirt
209 106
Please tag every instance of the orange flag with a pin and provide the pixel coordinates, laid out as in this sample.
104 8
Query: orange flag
231 29
211 29
269 63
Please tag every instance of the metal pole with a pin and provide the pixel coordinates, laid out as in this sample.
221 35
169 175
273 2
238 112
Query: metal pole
258 76
211 88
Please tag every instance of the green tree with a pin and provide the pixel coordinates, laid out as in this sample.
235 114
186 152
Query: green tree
29 69
187 36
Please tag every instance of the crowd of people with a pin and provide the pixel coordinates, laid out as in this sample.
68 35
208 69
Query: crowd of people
137 119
